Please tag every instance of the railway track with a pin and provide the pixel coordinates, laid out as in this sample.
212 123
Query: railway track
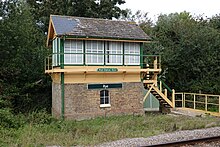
191 142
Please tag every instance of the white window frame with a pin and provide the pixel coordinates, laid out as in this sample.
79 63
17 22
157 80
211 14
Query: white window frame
73 46
55 51
104 97
93 49
132 48
114 48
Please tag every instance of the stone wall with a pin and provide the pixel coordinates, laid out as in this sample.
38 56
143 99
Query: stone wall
83 103
56 100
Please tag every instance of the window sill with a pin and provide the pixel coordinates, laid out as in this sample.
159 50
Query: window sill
105 105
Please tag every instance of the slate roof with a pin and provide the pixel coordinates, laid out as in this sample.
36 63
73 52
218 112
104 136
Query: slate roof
100 28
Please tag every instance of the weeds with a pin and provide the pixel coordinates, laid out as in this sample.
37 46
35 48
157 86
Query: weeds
41 129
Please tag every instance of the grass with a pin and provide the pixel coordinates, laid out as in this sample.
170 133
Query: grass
99 130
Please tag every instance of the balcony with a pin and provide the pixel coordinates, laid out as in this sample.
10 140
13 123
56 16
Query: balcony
56 63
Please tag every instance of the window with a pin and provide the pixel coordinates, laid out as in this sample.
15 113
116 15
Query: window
104 98
133 49
112 50
95 52
70 48
55 56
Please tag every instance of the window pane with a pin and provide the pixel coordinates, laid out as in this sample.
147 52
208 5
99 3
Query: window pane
102 101
104 97
106 100
132 48
71 47
112 50
102 93
96 48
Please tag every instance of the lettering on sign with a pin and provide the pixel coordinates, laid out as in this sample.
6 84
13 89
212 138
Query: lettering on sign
107 69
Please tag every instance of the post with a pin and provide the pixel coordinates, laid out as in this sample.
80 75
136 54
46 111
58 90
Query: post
173 97
48 63
206 101
194 101
219 104
184 100
160 86
165 92
155 62
62 79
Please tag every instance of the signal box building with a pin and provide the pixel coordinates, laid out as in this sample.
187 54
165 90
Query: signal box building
96 67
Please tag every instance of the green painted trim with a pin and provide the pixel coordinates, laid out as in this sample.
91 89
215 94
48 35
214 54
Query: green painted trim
141 54
97 65
84 52
101 37
165 85
62 95
107 70
62 53
104 53
57 50
104 86
123 52
62 76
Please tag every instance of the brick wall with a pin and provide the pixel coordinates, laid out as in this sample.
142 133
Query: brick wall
83 103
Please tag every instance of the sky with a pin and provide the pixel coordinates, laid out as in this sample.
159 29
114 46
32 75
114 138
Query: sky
206 8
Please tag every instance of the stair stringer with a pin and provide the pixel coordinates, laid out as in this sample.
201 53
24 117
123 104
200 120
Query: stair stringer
162 95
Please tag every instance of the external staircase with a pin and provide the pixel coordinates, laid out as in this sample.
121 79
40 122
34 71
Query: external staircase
155 86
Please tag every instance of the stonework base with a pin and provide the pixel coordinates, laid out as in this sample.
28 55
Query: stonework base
83 103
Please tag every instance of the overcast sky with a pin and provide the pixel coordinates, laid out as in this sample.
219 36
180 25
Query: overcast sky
155 7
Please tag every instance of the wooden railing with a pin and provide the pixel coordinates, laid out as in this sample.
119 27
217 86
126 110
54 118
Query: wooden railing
168 92
206 102
146 61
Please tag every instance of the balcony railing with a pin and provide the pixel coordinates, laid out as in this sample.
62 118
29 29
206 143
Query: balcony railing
144 61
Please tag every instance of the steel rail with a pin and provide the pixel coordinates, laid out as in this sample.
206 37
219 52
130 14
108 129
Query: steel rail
185 142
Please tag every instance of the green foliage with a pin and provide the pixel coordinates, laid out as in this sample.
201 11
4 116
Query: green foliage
22 59
189 47
44 132
42 9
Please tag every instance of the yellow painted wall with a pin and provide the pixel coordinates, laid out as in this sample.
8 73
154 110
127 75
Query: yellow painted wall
89 74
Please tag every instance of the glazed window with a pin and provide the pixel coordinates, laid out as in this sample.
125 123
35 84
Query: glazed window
114 53
71 47
56 44
133 51
95 52
104 98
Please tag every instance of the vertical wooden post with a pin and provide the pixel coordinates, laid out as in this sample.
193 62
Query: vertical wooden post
206 101
159 62
155 62
184 100
48 63
173 97
160 86
155 79
165 92
219 104
194 101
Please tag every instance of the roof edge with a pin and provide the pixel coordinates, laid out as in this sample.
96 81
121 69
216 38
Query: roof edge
112 38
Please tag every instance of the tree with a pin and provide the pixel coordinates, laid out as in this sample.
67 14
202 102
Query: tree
191 52
22 58
42 9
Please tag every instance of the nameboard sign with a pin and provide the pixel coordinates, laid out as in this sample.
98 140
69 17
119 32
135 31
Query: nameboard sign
104 86
107 69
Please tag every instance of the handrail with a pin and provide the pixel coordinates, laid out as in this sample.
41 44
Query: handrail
165 85
149 60
103 54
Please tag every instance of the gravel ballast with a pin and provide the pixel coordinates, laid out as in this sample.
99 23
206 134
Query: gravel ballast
165 138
